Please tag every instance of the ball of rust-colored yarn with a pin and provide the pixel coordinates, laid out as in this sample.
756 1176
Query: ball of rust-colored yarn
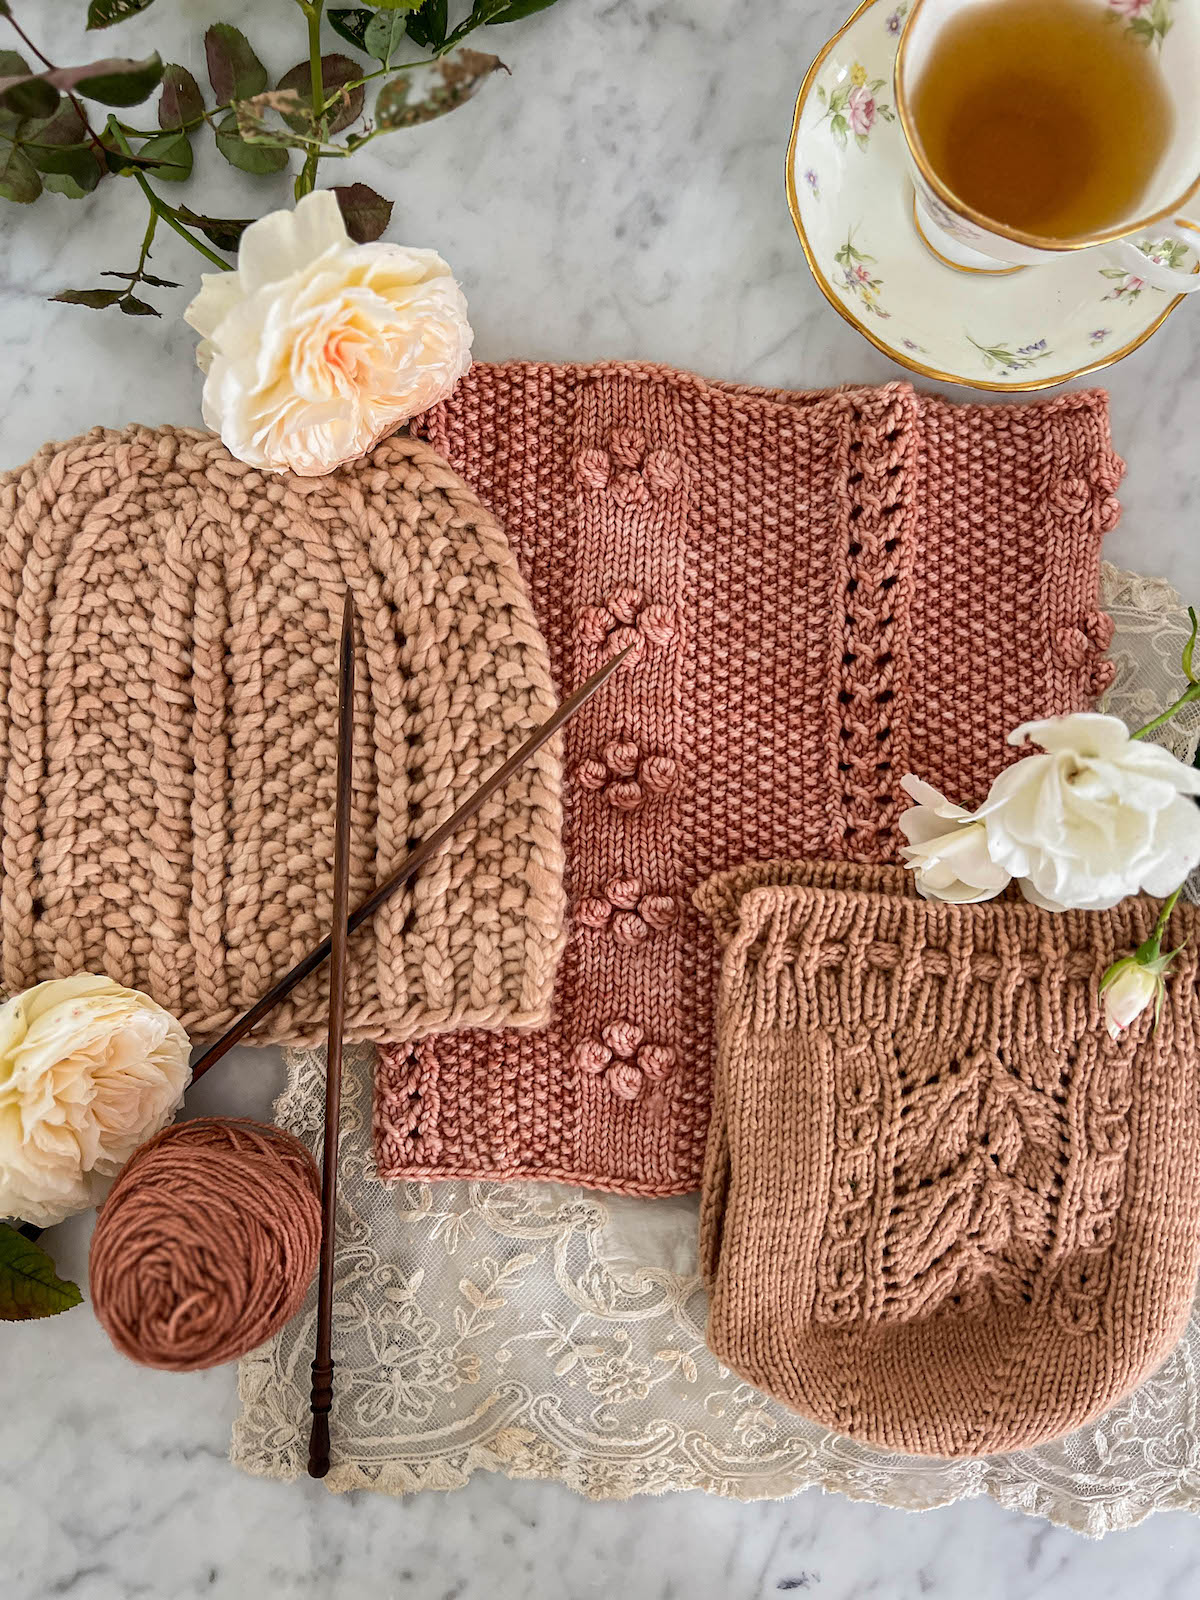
206 1244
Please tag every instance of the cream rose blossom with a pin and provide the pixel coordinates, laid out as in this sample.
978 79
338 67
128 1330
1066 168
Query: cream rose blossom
1096 817
88 1071
316 347
947 848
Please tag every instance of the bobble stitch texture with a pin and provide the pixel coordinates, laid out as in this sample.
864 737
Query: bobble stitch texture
878 544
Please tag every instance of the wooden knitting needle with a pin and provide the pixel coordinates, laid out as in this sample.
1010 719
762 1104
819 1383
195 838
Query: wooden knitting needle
411 864
322 1367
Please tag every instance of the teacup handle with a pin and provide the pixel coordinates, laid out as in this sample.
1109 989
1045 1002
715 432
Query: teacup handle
1175 280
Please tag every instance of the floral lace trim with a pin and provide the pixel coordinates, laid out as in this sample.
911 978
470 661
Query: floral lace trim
547 1333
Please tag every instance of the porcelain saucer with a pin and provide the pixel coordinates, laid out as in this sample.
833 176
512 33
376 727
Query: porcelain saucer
853 205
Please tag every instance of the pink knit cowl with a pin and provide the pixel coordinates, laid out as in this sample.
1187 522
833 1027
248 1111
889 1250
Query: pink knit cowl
825 591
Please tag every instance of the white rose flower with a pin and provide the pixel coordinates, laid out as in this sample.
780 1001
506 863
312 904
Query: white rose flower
88 1071
316 347
1098 817
947 848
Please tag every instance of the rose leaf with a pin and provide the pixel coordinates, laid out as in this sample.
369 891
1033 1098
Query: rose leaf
351 23
384 36
257 158
29 96
225 232
234 71
103 13
427 27
365 213
75 164
29 1285
461 75
116 81
172 154
95 299
136 308
19 178
181 98
335 71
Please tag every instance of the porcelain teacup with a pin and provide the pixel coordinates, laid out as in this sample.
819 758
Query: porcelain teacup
966 238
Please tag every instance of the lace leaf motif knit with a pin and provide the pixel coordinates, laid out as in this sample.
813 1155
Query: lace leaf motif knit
942 1211
823 592
168 714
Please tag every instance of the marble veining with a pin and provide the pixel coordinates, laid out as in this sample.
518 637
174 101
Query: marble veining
621 195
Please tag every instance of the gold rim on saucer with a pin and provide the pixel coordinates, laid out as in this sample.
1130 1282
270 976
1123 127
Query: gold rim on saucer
843 311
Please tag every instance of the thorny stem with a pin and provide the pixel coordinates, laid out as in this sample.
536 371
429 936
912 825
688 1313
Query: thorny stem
46 62
160 207
307 180
74 99
147 241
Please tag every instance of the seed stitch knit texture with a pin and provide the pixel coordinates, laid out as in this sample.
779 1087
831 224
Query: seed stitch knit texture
824 591
169 623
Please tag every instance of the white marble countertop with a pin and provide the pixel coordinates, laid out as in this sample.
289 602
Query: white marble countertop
621 195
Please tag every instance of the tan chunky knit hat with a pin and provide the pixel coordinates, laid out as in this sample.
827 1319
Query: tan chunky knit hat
943 1212
168 710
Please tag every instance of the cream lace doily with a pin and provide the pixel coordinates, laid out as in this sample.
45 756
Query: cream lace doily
547 1332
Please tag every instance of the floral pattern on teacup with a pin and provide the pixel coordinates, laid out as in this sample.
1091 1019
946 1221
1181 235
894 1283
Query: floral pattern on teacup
999 358
1147 20
853 106
813 182
857 277
895 18
1098 335
1128 286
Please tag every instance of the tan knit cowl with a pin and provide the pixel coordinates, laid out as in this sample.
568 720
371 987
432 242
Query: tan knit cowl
943 1212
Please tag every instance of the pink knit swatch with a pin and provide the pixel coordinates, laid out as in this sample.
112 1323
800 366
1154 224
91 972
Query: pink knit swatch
826 591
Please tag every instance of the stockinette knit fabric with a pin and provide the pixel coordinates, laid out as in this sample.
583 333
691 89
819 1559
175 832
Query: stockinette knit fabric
169 622
824 591
943 1212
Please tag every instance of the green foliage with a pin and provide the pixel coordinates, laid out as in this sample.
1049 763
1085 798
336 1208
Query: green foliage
29 1285
247 157
225 232
172 154
113 82
234 70
461 75
181 103
19 178
427 27
407 48
365 213
351 24
336 71
103 13
385 34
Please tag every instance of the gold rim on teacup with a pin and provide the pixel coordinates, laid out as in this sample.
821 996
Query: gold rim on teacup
948 197
956 266
987 385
